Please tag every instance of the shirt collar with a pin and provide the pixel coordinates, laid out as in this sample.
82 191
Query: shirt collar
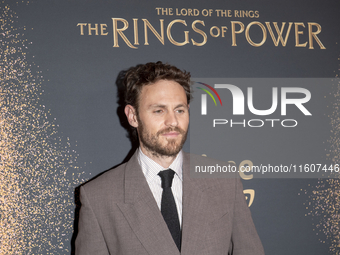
151 169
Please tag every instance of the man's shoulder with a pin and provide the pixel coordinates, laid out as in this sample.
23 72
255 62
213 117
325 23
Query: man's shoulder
110 179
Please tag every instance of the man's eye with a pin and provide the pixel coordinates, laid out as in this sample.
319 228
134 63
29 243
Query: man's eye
158 111
180 111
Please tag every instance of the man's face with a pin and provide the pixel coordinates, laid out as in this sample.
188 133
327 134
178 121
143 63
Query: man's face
163 118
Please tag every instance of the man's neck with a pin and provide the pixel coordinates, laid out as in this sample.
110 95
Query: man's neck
164 161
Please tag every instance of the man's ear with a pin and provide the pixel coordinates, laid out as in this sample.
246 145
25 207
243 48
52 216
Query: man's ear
130 113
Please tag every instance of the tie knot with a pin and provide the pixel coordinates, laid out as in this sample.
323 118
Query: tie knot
167 177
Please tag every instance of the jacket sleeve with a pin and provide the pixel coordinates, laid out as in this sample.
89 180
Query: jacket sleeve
244 237
90 239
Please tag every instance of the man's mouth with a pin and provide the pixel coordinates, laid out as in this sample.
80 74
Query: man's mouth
171 134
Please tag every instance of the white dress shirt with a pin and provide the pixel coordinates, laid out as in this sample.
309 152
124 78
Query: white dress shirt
151 169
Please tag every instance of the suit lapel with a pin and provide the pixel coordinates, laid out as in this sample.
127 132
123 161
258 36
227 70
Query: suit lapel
196 211
141 211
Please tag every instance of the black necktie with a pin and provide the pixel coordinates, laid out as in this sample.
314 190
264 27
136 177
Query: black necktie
168 206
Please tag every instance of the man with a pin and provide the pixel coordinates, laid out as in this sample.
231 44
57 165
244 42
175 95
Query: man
150 205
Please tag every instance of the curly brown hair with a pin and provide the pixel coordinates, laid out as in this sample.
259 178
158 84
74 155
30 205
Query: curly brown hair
149 73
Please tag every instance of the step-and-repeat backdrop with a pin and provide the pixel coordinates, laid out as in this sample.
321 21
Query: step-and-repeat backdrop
266 96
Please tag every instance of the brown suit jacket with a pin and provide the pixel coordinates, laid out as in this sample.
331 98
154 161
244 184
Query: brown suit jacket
119 215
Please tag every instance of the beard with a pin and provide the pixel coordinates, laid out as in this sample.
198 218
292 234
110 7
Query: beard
153 144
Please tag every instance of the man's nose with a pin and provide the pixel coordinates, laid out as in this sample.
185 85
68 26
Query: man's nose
171 119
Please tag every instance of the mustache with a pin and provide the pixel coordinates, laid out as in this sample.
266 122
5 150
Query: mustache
171 129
